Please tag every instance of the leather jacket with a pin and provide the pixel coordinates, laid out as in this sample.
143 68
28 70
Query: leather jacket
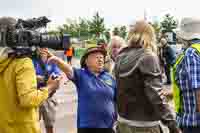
139 79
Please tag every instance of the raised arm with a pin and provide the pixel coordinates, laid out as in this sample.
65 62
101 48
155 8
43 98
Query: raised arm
26 84
65 67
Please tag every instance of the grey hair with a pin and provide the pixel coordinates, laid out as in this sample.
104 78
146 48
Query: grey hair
116 39
7 21
119 40
6 24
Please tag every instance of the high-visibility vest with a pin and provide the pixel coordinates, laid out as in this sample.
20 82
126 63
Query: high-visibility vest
177 94
69 52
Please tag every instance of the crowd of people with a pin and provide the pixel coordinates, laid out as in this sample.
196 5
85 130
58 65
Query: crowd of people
119 86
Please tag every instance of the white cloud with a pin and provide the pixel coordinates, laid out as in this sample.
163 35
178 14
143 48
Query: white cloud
115 12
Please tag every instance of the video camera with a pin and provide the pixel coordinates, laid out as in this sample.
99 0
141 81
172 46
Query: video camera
24 36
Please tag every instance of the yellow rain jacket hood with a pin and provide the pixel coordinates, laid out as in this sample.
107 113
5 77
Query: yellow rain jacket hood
4 60
19 96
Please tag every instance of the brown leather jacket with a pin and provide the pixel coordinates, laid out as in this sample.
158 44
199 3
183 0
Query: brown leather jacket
138 78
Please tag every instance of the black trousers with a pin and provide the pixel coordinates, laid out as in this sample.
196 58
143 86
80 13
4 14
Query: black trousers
95 130
69 59
167 72
190 130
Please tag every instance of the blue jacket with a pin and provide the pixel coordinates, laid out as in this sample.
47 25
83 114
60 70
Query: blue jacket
169 54
51 69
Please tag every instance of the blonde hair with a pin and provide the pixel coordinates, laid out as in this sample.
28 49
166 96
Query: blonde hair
142 35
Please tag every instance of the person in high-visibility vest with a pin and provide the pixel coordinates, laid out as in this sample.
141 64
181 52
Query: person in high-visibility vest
69 53
186 77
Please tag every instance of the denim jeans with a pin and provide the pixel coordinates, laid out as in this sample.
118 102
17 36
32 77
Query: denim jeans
190 130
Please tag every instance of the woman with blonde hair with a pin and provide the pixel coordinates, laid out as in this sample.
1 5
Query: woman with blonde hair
143 35
138 77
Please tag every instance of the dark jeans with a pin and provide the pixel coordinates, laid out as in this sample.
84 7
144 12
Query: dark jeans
167 72
69 59
190 130
95 130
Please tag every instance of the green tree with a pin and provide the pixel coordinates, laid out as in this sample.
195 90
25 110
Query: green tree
97 26
120 31
157 28
53 32
70 27
84 28
123 31
168 24
76 28
60 29
116 31
107 35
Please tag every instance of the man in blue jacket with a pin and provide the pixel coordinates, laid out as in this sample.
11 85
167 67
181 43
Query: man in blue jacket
169 58
43 72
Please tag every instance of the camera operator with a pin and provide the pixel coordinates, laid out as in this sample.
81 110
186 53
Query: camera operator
19 96
43 71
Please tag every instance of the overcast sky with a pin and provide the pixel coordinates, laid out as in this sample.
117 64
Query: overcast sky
115 12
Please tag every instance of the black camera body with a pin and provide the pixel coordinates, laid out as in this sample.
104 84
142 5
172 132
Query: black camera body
24 36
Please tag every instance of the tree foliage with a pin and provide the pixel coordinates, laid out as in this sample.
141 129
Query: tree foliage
120 31
123 31
157 28
168 24
116 31
97 25
107 35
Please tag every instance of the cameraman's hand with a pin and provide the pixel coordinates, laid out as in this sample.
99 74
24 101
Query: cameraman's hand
40 78
53 84
53 59
45 51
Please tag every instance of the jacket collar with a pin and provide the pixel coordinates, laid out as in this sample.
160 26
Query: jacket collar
92 74
195 41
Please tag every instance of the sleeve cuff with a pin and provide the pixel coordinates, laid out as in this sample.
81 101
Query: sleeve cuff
45 92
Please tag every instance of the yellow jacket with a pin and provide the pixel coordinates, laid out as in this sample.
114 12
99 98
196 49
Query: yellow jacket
19 97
